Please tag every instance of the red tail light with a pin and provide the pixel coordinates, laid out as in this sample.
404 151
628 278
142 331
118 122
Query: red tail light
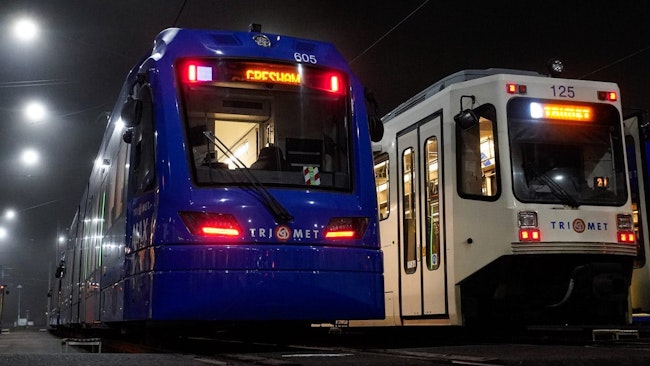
211 224
334 83
346 228
198 73
191 72
529 234
626 237
516 89
607 95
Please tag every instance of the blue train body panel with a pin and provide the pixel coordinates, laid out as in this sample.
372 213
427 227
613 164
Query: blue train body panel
199 233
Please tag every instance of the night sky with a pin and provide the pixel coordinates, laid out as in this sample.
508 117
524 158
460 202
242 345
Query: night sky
77 66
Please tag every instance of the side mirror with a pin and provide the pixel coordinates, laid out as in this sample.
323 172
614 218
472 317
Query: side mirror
376 127
131 112
466 119
127 135
132 109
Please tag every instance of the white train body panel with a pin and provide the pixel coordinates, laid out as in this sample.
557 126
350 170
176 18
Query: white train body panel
440 245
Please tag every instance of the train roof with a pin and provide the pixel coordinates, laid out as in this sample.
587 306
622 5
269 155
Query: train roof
458 77
182 42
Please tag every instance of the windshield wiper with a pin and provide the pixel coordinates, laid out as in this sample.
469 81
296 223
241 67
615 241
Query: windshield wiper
556 189
280 214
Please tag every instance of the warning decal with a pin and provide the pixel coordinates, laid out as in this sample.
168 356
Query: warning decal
312 178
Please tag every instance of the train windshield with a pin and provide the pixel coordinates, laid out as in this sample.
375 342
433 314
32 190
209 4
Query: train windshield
570 154
274 124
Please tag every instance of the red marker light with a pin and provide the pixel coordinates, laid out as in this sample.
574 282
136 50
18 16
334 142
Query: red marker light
516 89
191 72
608 95
529 234
334 83
346 228
196 73
626 237
211 224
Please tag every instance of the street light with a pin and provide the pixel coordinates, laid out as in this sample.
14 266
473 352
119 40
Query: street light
29 157
35 112
25 30
10 214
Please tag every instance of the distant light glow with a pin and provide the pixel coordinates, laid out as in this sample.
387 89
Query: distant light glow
35 112
3 233
25 30
10 214
29 157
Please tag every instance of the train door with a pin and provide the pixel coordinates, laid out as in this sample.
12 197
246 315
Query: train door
140 218
422 268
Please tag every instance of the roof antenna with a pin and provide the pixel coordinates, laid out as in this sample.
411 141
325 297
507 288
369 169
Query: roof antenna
554 67
255 27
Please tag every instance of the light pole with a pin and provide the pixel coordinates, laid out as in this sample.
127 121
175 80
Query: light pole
2 302
18 320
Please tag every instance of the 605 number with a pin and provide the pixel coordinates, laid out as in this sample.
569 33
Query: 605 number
563 91
303 57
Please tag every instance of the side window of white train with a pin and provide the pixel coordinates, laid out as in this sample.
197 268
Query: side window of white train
477 156
431 169
409 219
381 183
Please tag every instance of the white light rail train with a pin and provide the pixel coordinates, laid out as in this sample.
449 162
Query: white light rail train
504 197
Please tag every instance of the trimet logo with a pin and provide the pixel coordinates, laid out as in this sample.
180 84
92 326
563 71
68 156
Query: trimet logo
579 225
282 232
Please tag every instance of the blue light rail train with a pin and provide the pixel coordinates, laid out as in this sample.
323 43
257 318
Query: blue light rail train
234 184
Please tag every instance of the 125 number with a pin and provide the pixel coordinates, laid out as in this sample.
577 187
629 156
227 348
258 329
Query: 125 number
303 57
563 91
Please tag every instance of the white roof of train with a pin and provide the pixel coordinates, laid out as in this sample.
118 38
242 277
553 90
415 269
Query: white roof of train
454 78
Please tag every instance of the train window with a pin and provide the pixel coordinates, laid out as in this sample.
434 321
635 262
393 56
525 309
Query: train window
478 170
567 161
433 204
142 166
409 218
293 131
382 185
120 187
